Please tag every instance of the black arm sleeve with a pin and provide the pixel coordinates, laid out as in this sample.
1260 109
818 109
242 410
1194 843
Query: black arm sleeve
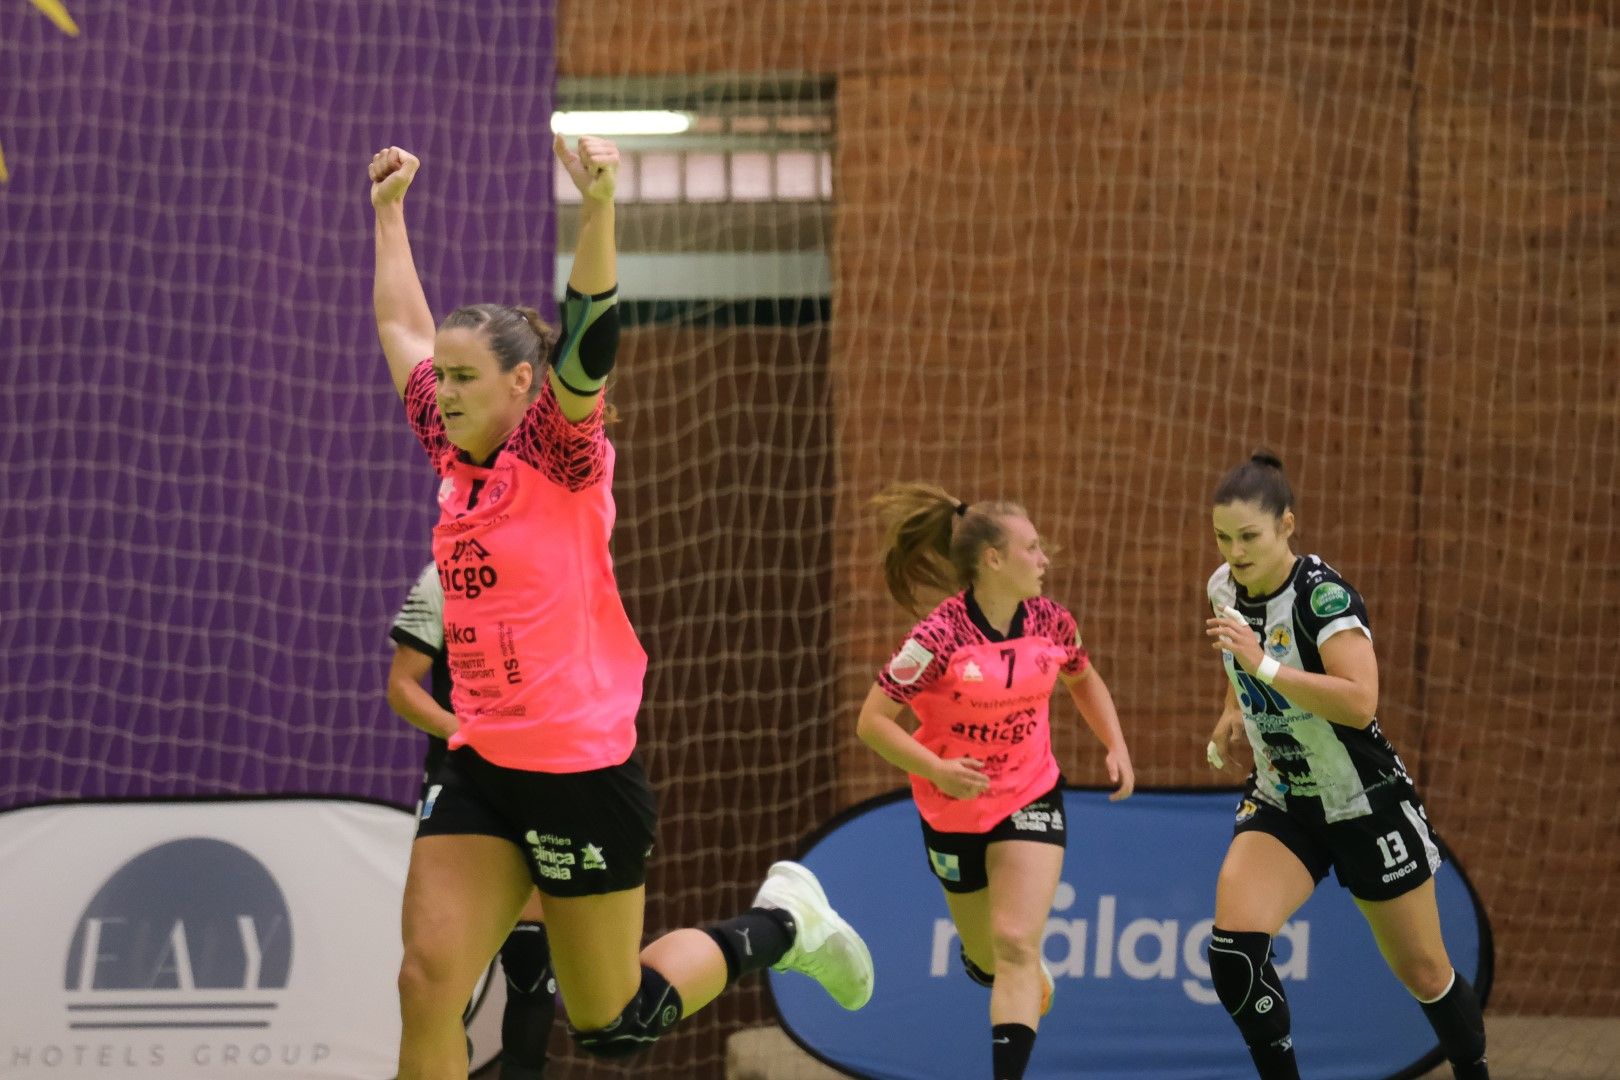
589 341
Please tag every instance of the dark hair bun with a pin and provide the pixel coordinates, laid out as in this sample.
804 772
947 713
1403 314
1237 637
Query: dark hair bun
1263 456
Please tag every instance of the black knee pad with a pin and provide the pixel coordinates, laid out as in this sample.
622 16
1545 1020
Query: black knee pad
975 972
653 1011
1247 984
526 958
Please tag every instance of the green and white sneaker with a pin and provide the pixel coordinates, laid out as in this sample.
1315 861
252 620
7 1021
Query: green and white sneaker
825 947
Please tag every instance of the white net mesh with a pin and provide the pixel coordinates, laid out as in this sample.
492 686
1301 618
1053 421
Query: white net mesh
1090 259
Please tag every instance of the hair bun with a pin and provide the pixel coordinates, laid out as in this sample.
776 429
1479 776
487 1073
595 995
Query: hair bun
1263 456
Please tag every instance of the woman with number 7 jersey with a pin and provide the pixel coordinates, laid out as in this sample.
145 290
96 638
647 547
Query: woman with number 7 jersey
1327 789
978 671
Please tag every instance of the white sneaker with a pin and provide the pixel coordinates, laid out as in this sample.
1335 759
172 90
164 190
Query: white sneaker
825 947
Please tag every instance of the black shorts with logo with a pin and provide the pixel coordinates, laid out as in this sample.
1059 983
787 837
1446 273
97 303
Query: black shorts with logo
1378 856
958 859
581 834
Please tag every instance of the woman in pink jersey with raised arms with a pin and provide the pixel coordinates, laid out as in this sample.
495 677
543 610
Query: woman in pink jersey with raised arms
540 787
978 673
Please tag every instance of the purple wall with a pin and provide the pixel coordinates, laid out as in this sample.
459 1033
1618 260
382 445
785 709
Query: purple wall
212 505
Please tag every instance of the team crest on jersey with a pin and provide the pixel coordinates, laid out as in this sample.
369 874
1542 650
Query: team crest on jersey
970 672
1044 662
494 493
1330 598
1246 810
910 662
1279 642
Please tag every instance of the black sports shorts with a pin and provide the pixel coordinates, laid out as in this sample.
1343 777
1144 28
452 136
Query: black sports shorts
1377 856
581 834
958 859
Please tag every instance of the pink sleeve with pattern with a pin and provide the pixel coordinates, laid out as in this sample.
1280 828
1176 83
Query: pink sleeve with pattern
572 455
422 410
920 661
1053 622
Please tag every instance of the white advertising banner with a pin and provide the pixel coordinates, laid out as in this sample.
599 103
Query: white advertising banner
201 939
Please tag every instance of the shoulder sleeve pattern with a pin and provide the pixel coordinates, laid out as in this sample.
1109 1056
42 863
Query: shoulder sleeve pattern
1057 624
422 410
421 618
572 455
922 659
1326 604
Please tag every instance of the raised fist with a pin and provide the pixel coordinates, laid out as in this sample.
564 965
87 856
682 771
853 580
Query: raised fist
594 168
391 172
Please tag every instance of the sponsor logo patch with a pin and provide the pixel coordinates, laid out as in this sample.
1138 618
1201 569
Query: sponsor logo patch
910 662
946 867
1246 810
1033 819
1330 598
551 854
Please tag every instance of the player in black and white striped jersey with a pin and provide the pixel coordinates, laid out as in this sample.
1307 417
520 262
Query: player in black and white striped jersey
1327 788
418 634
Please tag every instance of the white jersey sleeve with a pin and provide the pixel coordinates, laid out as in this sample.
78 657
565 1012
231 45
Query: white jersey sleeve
420 622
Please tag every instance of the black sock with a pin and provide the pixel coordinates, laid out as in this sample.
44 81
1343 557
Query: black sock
525 1032
753 941
1010 1045
530 1006
1456 1017
1251 992
510 1071
1275 1060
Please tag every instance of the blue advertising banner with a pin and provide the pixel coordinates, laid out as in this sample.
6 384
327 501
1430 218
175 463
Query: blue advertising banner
1125 942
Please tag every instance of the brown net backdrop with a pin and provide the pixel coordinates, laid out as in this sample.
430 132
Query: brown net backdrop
1087 256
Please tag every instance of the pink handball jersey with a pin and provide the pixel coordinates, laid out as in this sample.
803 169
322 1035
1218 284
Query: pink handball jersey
546 670
982 696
